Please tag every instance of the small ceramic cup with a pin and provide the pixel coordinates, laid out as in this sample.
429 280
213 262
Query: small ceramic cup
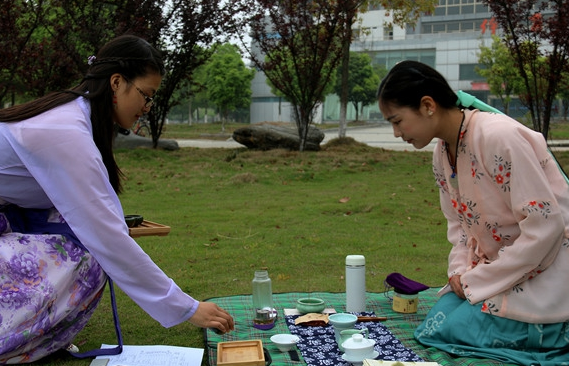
310 305
340 322
284 342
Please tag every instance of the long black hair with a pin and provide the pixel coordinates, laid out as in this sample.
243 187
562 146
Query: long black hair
127 55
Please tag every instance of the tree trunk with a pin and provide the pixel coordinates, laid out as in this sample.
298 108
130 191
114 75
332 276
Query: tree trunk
190 111
346 41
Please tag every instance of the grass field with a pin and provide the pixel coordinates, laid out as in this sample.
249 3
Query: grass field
299 214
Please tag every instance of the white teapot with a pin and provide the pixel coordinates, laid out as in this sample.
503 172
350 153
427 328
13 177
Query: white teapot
358 348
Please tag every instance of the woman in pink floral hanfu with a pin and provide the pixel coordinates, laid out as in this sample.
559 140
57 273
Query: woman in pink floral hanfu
507 205
62 227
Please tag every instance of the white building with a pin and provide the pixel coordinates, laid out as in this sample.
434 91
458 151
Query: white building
448 40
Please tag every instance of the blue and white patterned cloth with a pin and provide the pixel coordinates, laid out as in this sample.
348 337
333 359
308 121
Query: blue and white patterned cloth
319 348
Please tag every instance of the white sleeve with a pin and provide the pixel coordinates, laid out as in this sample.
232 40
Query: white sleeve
67 165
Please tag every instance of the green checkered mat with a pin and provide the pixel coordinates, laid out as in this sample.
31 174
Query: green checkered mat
400 325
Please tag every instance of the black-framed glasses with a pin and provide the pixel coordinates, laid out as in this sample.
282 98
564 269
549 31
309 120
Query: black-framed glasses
148 100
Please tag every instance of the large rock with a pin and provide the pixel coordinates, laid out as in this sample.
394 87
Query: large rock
267 137
133 141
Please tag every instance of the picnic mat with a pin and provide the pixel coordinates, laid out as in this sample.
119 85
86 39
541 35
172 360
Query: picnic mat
394 337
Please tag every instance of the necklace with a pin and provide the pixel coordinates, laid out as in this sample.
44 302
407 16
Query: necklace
453 179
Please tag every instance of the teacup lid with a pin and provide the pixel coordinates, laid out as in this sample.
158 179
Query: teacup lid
358 342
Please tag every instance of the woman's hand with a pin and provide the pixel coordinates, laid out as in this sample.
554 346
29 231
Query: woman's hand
456 286
209 315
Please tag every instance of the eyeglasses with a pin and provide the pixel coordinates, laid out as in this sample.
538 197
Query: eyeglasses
149 101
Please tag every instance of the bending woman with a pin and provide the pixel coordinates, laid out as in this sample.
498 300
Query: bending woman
507 206
62 227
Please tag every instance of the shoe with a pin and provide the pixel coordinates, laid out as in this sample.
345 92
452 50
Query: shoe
72 348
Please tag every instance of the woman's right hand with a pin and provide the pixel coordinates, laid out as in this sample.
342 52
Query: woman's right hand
209 315
456 286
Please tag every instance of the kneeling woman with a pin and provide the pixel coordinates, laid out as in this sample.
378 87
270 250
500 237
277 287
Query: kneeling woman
507 206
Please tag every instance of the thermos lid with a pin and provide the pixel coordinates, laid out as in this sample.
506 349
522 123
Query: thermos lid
355 260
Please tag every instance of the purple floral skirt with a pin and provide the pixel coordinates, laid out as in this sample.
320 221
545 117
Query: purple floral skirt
49 288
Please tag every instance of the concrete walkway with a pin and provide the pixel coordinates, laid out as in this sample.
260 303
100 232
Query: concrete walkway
376 136
380 135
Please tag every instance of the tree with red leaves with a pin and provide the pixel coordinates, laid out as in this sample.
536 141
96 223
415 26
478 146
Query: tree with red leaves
48 48
297 44
536 32
47 42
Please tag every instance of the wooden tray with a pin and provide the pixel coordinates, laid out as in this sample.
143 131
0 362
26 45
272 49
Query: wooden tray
240 353
149 228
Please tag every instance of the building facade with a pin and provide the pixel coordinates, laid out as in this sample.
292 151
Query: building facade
448 40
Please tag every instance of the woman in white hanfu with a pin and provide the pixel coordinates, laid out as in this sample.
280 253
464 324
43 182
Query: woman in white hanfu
62 227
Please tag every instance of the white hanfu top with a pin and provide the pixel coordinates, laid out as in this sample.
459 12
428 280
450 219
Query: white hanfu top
51 160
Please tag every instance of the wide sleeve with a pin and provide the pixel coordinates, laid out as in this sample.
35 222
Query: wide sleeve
520 180
67 165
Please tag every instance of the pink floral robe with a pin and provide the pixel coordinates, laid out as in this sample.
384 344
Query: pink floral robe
508 215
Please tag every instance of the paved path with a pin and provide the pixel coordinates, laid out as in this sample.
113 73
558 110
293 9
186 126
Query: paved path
376 136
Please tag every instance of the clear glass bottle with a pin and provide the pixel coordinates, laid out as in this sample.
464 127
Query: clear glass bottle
265 314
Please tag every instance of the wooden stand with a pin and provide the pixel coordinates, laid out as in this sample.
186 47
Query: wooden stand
240 353
149 228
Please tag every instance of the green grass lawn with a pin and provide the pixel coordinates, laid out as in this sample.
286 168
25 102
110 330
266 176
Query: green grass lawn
232 211
218 131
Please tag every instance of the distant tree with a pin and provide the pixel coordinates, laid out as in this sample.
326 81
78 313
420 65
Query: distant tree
198 93
362 81
499 70
296 43
228 80
536 32
564 94
403 12
191 28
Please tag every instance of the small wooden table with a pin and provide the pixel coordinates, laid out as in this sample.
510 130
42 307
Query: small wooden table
149 228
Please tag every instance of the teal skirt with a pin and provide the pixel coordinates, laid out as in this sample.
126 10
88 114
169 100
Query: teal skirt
461 329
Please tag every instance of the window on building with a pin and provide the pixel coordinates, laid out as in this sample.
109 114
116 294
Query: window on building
390 58
481 8
387 33
467 9
439 28
453 27
468 72
467 26
455 7
440 10
453 10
